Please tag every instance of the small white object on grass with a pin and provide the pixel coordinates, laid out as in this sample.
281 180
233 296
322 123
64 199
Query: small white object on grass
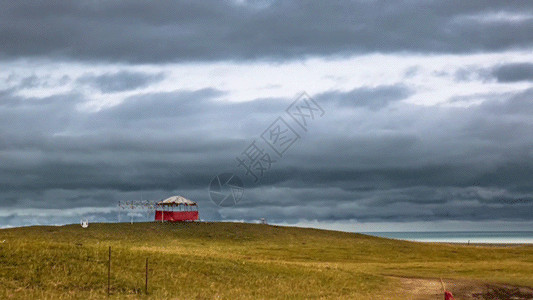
84 223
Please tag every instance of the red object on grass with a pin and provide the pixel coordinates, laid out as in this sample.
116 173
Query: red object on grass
448 296
176 216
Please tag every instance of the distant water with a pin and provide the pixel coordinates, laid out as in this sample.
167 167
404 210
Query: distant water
493 237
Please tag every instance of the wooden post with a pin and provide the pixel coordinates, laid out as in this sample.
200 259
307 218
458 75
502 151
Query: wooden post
109 273
146 281
443 287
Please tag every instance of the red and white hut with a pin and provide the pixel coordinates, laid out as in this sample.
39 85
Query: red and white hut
176 209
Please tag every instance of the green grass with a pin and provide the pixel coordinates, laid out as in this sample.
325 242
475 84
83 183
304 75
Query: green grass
234 261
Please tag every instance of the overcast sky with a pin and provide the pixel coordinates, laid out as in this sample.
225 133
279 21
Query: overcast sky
423 111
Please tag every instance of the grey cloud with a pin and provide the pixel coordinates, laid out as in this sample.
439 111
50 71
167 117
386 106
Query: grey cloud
372 157
372 98
513 72
472 73
517 104
170 105
407 163
402 205
480 97
138 31
34 81
120 81
30 82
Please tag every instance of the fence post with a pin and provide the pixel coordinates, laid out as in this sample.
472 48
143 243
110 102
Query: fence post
146 281
109 273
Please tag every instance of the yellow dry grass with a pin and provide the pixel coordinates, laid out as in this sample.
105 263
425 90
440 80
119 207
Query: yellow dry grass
235 261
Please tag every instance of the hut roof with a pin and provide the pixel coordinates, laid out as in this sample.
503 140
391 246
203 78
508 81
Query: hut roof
177 200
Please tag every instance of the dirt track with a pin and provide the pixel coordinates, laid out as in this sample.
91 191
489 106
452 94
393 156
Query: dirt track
427 289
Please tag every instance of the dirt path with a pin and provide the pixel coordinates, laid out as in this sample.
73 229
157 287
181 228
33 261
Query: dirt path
428 289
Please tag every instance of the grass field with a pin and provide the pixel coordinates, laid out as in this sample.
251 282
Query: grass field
238 261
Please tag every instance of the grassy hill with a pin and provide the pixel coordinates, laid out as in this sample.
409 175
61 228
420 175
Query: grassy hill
236 261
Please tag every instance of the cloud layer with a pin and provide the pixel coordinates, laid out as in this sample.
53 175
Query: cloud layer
514 72
427 106
140 31
372 157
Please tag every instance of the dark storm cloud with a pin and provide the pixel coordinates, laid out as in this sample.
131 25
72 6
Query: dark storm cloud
142 31
416 203
513 72
156 140
120 81
400 162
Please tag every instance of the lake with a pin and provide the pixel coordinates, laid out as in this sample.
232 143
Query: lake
496 237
